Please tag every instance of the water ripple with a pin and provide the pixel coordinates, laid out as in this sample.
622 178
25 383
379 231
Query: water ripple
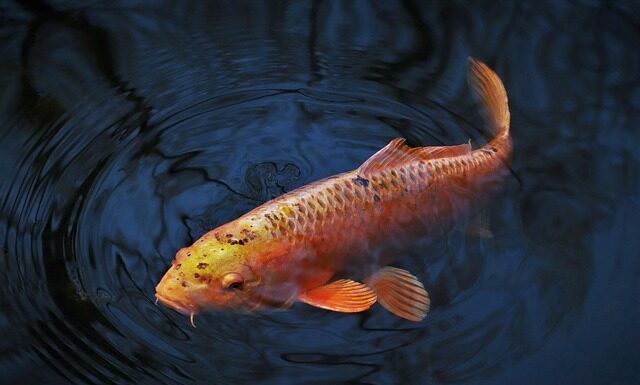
131 131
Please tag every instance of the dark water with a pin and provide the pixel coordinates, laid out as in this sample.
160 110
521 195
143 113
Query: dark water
128 130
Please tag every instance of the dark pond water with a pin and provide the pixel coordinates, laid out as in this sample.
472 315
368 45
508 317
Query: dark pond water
128 129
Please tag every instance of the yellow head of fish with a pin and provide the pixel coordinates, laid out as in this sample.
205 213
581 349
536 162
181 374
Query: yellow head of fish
224 269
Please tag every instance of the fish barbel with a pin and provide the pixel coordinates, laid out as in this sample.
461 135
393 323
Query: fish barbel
329 243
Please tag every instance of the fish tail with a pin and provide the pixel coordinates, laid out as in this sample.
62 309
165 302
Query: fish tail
493 97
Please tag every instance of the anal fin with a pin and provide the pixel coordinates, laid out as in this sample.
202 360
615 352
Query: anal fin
343 295
401 293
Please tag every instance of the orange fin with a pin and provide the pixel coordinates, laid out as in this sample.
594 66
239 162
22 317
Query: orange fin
493 97
401 293
396 153
344 295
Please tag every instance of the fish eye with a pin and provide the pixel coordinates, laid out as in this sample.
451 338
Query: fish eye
233 281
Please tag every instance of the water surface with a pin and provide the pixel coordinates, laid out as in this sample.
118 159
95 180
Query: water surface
129 129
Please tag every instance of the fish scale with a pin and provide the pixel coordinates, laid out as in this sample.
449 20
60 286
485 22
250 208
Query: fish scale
340 196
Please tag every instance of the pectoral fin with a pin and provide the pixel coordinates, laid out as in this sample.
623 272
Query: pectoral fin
401 293
344 295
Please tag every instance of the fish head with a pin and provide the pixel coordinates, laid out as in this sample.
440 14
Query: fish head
216 273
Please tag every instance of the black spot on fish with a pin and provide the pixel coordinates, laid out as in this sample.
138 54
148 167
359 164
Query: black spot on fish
241 242
361 181
196 275
202 265
229 235
376 198
178 266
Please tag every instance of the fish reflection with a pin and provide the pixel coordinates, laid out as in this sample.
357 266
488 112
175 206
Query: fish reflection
329 244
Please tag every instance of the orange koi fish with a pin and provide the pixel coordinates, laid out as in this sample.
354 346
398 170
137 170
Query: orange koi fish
329 243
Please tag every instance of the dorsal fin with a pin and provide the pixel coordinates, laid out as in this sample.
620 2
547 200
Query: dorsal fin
396 153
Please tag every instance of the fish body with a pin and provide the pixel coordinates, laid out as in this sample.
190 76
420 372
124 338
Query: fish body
316 243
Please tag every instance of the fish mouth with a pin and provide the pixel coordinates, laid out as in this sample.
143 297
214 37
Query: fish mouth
176 305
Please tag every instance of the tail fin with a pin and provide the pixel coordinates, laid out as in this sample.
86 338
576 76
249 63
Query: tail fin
488 86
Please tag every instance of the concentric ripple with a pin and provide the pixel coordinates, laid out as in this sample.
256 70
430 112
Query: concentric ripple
134 130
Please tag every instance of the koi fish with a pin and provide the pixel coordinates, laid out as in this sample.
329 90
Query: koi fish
330 243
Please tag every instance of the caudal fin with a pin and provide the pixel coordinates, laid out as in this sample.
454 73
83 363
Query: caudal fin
493 97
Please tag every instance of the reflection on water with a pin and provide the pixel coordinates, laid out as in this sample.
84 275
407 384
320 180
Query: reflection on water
130 130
